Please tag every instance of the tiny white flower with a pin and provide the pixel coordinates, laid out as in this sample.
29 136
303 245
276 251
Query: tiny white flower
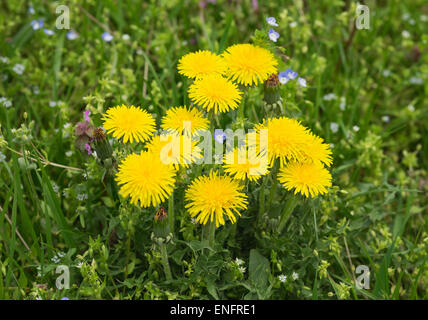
424 18
126 37
293 24
416 80
411 107
69 153
79 265
55 187
282 278
36 90
242 269
295 276
331 145
405 16
405 34
356 128
386 73
5 60
194 221
412 22
385 119
18 68
329 97
7 104
52 104
82 196
31 10
239 261
342 104
2 157
302 81
334 127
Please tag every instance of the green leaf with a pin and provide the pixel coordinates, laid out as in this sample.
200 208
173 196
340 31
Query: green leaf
259 270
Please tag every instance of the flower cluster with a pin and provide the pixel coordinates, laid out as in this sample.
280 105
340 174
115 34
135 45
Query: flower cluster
302 156
214 88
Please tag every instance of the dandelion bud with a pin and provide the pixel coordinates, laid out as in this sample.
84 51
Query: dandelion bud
103 148
271 89
161 225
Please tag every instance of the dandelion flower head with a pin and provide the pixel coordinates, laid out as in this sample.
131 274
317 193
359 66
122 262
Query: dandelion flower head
287 139
178 118
129 123
308 178
196 65
174 149
249 64
145 179
212 197
244 166
216 93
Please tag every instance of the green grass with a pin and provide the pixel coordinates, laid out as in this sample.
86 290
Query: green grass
375 214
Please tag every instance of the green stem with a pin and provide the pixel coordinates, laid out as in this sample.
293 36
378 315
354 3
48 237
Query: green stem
286 213
274 182
211 235
171 213
262 199
165 262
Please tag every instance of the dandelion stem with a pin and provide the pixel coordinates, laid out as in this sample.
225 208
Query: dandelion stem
262 199
274 182
286 213
165 262
171 213
211 235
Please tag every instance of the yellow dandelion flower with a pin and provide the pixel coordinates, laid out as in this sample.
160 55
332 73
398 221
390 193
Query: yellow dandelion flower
309 178
244 166
130 123
249 64
216 93
214 196
287 139
196 65
174 149
317 150
145 179
179 118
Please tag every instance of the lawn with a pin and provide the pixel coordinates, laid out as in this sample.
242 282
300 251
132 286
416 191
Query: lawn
338 211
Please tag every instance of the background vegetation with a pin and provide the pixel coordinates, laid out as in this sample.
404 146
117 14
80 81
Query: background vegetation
366 95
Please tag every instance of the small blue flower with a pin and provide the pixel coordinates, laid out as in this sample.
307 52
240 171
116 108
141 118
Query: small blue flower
107 37
273 35
302 81
31 10
65 298
282 76
71 35
271 21
219 135
290 74
48 32
37 24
